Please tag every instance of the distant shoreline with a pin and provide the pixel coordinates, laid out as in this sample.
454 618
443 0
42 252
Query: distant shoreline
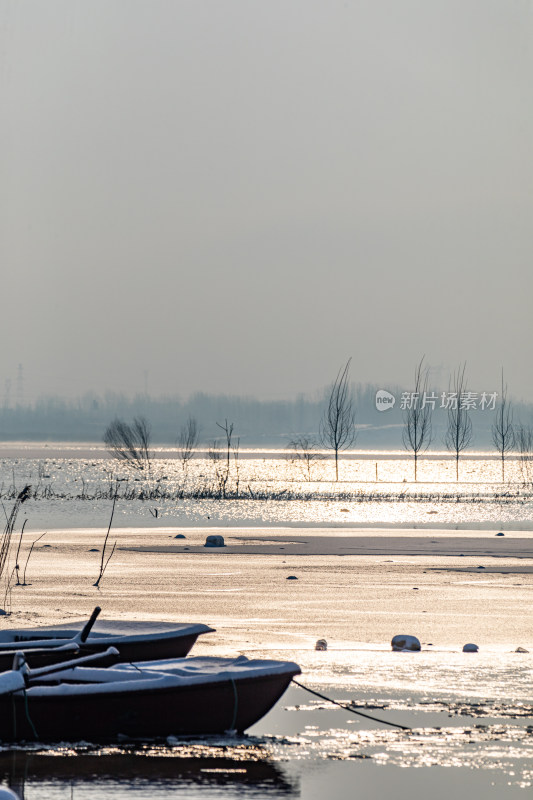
92 450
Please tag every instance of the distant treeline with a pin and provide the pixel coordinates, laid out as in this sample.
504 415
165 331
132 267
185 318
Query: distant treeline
257 422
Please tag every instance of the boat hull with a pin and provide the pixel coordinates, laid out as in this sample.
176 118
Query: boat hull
135 641
198 709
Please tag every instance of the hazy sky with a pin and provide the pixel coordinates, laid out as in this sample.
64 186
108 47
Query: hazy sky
236 196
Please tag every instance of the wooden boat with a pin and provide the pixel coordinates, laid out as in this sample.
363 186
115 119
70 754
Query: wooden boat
147 700
135 641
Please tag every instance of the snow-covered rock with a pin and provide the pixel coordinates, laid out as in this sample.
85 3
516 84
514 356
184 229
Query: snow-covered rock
214 541
404 642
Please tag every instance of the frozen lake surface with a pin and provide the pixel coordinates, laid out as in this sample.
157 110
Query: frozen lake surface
470 715
473 737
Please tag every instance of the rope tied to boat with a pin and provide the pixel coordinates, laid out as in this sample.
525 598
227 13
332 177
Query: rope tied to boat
27 712
351 709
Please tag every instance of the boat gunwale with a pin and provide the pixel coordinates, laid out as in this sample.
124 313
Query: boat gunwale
151 680
14 637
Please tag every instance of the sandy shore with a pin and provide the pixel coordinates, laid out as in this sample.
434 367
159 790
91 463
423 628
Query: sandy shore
356 589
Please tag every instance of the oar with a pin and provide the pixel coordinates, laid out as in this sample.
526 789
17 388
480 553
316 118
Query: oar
71 648
45 655
21 677
80 637
111 653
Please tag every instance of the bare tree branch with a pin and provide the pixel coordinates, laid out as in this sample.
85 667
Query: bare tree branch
222 459
459 431
503 434
103 562
337 428
187 441
524 445
5 538
417 433
130 443
305 452
38 539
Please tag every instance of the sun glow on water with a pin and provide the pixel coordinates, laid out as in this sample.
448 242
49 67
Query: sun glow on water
276 490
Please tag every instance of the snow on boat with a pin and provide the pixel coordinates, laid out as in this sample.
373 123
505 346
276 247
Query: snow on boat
135 641
147 700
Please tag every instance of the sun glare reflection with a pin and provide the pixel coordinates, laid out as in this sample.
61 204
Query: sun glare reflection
274 491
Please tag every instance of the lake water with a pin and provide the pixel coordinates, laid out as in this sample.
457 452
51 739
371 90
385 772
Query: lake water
471 716
475 735
272 489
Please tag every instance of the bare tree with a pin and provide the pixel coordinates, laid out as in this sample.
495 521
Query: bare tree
187 441
459 431
222 458
503 434
305 452
524 445
130 443
417 432
337 428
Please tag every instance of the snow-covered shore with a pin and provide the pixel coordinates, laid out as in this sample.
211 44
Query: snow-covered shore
358 588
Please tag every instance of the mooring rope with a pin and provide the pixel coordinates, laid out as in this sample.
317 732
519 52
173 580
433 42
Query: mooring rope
349 708
27 711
